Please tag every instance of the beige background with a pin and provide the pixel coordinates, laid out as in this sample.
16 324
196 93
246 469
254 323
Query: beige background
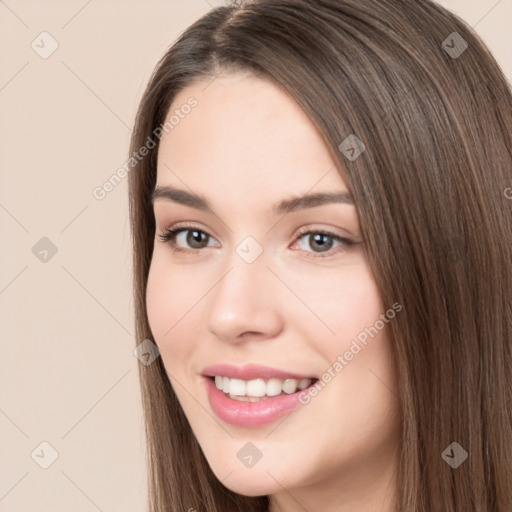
68 374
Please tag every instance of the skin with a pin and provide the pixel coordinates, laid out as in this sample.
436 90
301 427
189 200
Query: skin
246 146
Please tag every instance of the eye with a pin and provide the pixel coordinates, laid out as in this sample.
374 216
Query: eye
191 239
322 242
188 235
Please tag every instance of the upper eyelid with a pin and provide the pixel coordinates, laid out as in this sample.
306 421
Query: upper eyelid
308 228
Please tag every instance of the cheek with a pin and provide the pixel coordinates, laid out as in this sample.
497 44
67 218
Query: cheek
171 294
159 301
170 309
345 301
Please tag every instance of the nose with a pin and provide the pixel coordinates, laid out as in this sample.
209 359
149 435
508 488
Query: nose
244 304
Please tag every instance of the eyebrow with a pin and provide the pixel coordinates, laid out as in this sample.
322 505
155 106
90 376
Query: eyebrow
293 204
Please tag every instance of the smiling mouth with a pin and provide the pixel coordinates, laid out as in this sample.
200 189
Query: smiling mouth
257 390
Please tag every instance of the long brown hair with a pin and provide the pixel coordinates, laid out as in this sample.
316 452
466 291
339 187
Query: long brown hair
432 189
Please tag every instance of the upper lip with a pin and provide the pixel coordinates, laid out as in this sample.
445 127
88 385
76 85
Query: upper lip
251 371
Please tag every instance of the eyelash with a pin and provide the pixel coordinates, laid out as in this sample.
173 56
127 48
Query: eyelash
170 234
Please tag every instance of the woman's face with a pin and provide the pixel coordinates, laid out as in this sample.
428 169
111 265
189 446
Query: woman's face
284 287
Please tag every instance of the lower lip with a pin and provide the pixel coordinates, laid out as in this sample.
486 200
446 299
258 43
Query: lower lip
250 414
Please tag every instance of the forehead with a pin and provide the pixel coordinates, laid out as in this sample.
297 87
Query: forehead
245 135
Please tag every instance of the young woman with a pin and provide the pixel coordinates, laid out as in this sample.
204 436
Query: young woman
322 226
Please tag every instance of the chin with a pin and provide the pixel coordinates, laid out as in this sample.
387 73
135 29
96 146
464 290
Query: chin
246 484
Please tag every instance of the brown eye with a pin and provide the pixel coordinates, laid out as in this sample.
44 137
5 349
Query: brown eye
196 239
186 238
322 243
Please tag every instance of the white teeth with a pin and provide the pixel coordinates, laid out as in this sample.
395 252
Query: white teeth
290 386
256 387
237 387
254 390
304 383
244 398
274 387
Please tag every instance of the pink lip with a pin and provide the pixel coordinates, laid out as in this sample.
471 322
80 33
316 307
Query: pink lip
249 414
251 371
